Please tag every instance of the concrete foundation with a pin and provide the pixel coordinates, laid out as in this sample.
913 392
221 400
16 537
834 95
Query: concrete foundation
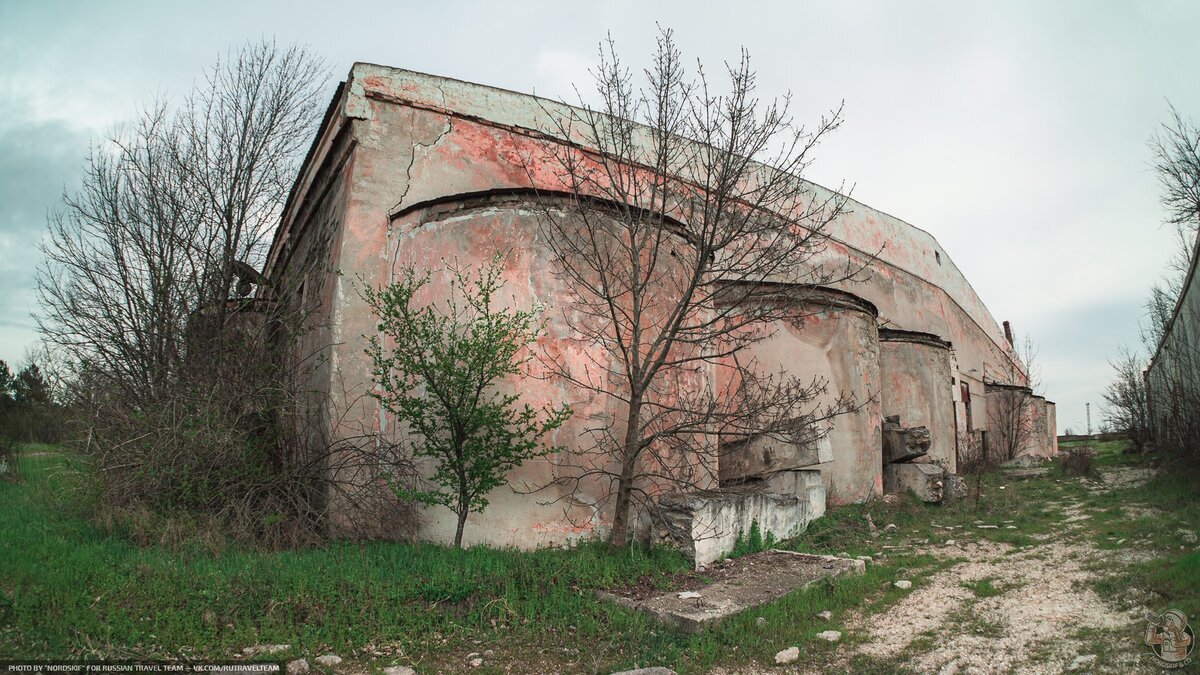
926 481
705 526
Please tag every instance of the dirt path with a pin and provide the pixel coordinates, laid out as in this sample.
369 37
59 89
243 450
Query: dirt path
1002 609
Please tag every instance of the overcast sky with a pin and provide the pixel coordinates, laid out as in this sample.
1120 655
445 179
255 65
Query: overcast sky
1014 132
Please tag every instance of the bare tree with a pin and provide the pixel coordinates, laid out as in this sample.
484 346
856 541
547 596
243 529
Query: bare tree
1013 415
186 400
170 209
688 233
1176 149
1125 404
241 133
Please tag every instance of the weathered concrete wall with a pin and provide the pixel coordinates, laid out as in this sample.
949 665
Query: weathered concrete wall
1173 375
917 385
401 152
837 341
1052 427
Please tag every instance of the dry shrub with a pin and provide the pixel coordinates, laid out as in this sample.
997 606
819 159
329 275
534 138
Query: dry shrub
1079 461
233 452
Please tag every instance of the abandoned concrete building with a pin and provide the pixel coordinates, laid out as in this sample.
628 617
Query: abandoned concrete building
412 168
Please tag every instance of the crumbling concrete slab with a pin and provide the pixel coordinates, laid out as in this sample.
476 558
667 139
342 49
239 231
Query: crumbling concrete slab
705 525
927 481
805 484
901 444
764 455
767 577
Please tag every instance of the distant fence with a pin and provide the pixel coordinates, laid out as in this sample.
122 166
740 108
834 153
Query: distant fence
1173 376
1100 438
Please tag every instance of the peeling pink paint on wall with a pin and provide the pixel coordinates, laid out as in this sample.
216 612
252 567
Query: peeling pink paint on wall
400 172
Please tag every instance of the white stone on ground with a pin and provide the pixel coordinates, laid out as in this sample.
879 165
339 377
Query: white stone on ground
787 655
329 660
903 584
399 670
825 616
829 635
297 667
265 649
1082 662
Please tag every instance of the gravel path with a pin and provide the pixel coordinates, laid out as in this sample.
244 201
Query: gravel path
1045 618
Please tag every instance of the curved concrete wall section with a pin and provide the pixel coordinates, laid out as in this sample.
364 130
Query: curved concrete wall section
918 390
836 343
409 168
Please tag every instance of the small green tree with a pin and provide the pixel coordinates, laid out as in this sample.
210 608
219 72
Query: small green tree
438 375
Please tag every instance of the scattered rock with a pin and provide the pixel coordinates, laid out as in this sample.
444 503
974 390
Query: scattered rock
399 670
266 649
329 660
825 616
1010 527
656 670
297 667
829 635
760 621
901 571
688 595
950 542
787 655
988 527
1187 536
949 669
1120 541
903 584
864 558
889 526
925 480
1021 462
1083 662
487 653
475 663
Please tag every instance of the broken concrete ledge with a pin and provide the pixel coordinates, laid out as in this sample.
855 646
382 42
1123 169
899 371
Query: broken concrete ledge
744 591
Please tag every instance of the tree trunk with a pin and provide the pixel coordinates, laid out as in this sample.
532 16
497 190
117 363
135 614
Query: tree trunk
620 531
462 522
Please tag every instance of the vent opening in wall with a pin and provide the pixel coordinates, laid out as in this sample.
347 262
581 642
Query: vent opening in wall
938 257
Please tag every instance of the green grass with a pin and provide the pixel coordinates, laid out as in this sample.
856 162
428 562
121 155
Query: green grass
69 589
984 588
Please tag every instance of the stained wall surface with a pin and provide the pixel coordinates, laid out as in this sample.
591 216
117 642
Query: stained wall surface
396 174
836 342
918 386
